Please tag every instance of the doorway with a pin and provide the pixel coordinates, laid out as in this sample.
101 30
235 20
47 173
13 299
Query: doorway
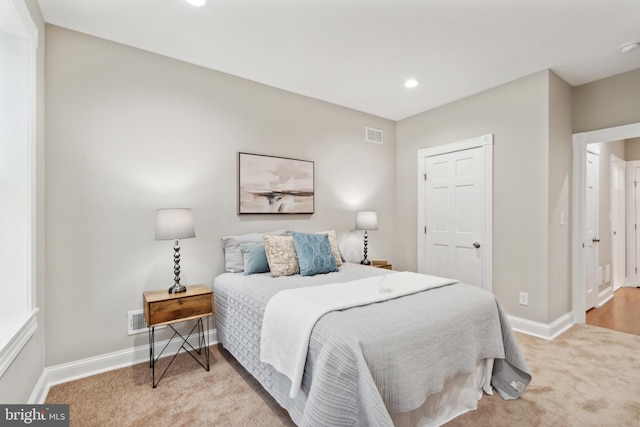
455 211
579 258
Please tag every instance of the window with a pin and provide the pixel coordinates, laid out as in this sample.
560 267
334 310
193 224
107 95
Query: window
18 43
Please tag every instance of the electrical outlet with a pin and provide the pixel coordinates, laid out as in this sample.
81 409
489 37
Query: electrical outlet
524 298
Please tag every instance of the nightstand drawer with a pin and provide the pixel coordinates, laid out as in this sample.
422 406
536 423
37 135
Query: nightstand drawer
160 307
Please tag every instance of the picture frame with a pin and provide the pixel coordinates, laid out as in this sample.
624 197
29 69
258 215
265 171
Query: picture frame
275 185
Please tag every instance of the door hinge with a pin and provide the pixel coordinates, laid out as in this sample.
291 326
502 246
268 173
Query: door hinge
425 176
635 183
425 229
583 246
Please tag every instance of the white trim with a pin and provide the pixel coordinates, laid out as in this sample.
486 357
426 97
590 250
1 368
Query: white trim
29 28
10 350
580 143
107 362
485 142
605 296
541 330
40 390
481 141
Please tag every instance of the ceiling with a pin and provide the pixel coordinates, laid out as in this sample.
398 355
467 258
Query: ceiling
358 53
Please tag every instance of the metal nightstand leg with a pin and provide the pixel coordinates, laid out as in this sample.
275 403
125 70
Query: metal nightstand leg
203 343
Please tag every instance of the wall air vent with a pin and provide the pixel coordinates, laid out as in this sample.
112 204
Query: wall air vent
373 135
136 323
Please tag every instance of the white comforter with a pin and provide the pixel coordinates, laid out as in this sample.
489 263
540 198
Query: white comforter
284 342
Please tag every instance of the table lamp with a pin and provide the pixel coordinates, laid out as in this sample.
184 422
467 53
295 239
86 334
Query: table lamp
366 220
175 224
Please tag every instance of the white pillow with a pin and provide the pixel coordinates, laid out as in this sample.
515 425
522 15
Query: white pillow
234 261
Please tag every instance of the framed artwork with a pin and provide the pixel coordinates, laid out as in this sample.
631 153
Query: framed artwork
268 185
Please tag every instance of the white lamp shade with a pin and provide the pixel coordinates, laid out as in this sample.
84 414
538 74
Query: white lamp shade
173 224
366 220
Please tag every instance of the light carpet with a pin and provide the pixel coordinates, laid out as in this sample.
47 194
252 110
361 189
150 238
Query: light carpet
589 376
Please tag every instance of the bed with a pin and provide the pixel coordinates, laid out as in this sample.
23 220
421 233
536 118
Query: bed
420 359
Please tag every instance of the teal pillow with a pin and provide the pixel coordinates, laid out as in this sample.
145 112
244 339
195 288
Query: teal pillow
255 258
314 253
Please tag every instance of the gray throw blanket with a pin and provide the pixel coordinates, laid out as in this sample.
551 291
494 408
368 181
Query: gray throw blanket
366 362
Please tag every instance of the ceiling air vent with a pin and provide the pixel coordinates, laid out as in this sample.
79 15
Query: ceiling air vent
373 135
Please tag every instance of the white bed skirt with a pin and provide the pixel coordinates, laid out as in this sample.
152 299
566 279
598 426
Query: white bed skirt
459 395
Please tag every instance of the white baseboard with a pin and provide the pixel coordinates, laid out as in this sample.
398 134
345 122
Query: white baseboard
542 330
605 296
95 365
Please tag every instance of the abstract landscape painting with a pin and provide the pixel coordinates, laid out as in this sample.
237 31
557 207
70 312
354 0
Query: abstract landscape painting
279 185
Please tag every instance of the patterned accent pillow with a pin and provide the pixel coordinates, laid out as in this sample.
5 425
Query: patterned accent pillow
281 255
255 258
333 241
314 253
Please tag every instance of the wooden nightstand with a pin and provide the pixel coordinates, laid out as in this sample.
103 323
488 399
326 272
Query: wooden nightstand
381 263
163 308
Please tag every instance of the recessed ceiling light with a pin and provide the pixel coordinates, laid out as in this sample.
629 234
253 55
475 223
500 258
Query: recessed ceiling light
197 3
629 47
411 83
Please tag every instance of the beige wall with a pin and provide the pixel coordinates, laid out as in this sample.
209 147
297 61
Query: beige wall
614 101
559 234
517 114
129 132
632 149
18 382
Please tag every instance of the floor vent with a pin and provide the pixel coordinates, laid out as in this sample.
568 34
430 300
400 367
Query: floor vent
373 135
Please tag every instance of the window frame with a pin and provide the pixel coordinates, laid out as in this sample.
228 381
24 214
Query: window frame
19 328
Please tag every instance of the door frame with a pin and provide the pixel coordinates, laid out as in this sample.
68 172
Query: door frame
580 142
486 143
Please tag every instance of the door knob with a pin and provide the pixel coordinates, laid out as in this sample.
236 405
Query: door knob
476 245
595 240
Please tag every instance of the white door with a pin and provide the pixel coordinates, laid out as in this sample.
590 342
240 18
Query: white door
632 204
618 196
591 230
455 215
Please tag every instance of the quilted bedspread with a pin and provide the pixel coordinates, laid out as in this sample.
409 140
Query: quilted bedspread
365 362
